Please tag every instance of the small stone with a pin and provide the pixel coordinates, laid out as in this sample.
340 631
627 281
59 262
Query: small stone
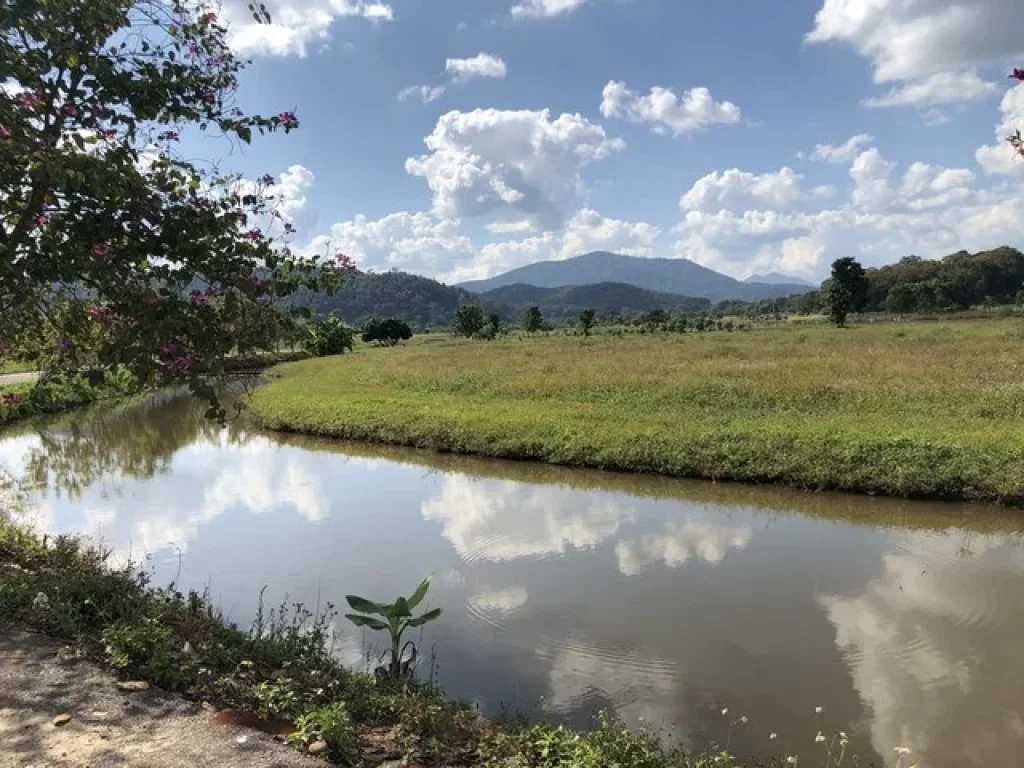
280 737
62 719
208 707
317 747
133 686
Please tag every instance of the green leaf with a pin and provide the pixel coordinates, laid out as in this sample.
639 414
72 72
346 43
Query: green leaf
419 594
73 60
400 609
366 621
365 606
419 621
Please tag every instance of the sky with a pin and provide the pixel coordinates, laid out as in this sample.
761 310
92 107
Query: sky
459 139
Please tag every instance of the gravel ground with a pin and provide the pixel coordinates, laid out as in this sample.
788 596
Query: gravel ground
39 682
18 378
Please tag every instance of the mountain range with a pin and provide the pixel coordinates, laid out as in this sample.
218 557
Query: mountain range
673 276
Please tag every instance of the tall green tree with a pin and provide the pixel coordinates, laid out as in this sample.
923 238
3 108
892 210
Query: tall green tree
846 291
469 319
103 222
532 320
587 321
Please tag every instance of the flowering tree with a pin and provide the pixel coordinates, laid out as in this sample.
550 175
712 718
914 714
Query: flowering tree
114 249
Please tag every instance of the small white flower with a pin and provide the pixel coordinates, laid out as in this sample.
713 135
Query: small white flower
743 719
902 750
820 737
791 760
842 734
725 710
42 602
773 736
817 710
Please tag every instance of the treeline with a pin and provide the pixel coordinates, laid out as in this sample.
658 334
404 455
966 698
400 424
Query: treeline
959 281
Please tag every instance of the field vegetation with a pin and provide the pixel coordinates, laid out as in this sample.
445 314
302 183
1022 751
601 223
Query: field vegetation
901 409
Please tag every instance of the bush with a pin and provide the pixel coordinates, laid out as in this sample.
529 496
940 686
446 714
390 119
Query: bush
386 331
333 725
328 336
469 319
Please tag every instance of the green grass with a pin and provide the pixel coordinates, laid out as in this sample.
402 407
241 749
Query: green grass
911 410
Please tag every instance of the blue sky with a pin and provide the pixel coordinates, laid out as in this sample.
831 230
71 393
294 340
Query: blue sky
462 138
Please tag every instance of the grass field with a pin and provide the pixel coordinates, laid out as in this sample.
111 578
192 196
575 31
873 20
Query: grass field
899 409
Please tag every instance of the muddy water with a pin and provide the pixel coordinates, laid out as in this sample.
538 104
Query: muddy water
567 592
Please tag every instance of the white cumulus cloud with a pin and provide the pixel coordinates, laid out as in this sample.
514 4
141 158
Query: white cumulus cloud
519 163
540 9
1001 157
665 111
481 65
907 40
738 189
940 88
841 153
295 24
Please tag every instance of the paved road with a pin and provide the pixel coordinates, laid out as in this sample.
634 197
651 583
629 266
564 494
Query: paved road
109 728
18 378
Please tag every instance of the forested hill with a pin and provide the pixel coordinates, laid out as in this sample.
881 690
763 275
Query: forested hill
566 303
426 303
420 301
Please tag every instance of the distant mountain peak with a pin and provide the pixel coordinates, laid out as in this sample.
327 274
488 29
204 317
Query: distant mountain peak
777 278
677 276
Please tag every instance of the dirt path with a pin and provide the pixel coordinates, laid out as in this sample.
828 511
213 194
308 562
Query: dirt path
18 378
109 727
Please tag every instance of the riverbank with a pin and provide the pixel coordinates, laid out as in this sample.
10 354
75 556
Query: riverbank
279 676
930 410
44 682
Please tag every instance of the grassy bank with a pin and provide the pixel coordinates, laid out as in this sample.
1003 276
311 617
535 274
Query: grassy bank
62 393
281 670
930 410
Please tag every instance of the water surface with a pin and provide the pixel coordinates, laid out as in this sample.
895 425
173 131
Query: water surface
566 592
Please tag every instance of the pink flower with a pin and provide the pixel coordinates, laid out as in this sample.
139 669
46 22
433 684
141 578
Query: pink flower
209 18
198 299
1017 74
101 251
288 121
253 234
40 221
102 314
28 100
5 132
71 110
343 262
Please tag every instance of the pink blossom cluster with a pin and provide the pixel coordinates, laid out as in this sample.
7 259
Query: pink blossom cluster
175 359
103 314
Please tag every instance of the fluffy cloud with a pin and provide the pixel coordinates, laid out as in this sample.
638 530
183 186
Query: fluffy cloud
738 189
907 40
411 242
296 23
461 71
703 541
501 520
481 65
840 153
291 198
586 231
1000 157
666 112
521 163
925 647
540 9
427 93
927 209
940 88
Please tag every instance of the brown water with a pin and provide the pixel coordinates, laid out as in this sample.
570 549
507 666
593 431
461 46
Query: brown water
565 592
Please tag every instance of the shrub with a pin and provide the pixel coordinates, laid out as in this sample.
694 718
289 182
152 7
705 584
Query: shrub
469 319
328 336
333 725
386 331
